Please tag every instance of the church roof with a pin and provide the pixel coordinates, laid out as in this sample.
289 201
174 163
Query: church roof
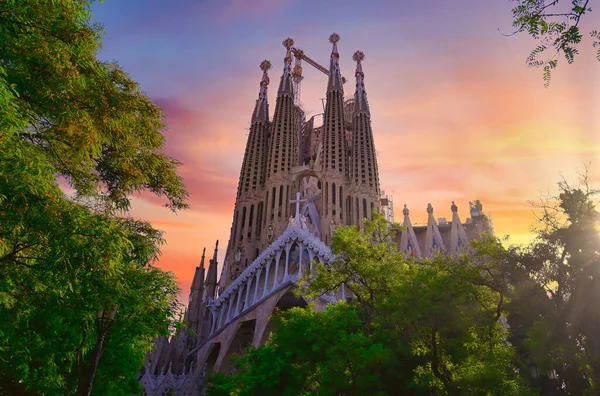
293 233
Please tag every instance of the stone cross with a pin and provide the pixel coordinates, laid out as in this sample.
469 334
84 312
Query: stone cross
297 201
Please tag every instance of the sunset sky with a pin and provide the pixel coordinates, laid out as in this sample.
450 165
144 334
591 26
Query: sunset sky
456 114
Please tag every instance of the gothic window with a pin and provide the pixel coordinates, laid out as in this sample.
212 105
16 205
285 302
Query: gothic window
273 199
259 216
280 198
287 200
235 223
243 223
333 193
326 199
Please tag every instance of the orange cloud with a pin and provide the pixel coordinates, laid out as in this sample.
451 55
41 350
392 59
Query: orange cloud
464 127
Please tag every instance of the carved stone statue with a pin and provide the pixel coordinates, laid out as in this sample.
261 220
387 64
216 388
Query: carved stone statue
291 222
332 227
476 208
270 234
238 254
303 222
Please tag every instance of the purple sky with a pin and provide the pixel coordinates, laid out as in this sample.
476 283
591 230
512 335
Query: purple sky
456 113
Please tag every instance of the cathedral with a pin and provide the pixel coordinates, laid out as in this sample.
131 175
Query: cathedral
298 182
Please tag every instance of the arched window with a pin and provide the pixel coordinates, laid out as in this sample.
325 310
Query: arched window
243 223
333 193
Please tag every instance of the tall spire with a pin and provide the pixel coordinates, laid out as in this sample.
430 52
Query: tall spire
408 240
286 84
194 314
211 276
364 160
335 76
198 282
361 105
261 110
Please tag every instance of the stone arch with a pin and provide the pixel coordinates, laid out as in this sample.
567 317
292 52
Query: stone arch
222 314
281 271
241 300
212 317
261 283
306 172
306 260
211 358
272 274
286 301
241 340
294 259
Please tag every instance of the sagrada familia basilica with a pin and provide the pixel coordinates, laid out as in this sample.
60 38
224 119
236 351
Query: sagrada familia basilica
298 182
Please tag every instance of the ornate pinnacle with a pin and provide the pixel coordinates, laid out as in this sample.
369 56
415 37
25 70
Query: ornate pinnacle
288 43
265 65
298 53
358 56
334 38
429 208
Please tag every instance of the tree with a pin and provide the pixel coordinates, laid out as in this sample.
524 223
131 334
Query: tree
326 352
556 330
557 29
88 118
414 328
67 118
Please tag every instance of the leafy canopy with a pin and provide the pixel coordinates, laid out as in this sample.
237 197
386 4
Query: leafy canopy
556 26
65 116
413 328
555 309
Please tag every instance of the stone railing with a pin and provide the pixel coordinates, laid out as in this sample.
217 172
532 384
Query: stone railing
285 260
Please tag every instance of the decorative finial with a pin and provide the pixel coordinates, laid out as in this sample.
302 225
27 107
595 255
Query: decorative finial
358 56
288 43
405 211
334 38
429 208
454 208
298 53
265 65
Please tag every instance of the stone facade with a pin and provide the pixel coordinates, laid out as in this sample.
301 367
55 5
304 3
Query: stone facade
297 184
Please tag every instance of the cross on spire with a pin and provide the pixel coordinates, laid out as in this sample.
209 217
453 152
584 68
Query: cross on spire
297 201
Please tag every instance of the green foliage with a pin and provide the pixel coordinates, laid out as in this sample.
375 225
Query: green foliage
557 30
94 125
554 313
311 352
411 328
66 116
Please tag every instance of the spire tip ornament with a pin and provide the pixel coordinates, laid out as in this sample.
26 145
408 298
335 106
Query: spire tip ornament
358 56
454 208
288 43
265 65
429 208
334 38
